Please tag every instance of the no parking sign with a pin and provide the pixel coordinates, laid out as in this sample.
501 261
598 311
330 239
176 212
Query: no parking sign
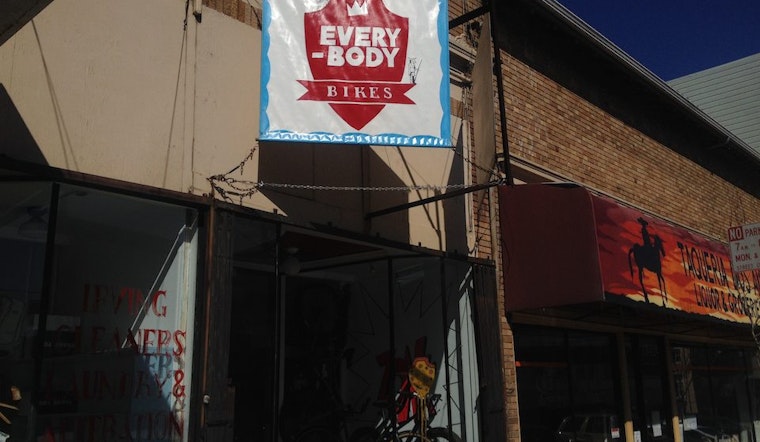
744 242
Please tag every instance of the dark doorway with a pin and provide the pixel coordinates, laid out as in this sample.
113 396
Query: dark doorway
650 398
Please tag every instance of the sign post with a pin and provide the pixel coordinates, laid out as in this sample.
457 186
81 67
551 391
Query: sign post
744 242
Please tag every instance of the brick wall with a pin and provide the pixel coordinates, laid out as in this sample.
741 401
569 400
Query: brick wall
551 127
248 12
486 223
565 136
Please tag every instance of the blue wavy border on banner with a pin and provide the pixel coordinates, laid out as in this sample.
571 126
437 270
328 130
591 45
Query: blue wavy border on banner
357 138
444 94
360 138
265 68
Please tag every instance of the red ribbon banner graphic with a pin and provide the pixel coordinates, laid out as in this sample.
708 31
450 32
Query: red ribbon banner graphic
356 91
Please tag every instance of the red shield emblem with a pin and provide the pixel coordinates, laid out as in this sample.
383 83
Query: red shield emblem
357 55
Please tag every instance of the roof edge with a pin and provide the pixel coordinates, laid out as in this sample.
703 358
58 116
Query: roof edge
617 53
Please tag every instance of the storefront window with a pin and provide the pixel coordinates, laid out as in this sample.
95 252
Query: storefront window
117 348
347 342
368 348
434 343
326 353
566 379
24 212
712 393
753 388
251 367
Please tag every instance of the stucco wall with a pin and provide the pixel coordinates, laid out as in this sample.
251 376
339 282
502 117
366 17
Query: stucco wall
123 90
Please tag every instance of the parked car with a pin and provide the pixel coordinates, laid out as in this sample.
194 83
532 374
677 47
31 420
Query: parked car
589 427
713 430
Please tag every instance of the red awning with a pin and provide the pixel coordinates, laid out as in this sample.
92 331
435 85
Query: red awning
563 245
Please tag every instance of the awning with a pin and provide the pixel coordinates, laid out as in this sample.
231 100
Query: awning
563 245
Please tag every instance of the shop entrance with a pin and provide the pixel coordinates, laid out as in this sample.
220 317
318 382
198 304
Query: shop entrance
331 340
647 378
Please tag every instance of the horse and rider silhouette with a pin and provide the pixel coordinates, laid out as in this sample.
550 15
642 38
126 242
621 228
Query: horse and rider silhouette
648 256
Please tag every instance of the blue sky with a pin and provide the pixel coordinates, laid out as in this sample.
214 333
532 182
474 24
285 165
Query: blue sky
673 38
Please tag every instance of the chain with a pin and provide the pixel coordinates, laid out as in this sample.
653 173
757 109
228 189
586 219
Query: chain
243 189
229 188
242 184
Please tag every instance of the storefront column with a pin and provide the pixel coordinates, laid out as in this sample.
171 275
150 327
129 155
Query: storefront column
676 420
625 392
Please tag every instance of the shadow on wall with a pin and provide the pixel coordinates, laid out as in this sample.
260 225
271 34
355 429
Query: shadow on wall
314 168
454 208
320 183
15 14
16 141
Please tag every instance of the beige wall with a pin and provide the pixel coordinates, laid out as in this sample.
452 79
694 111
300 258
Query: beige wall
110 89
122 90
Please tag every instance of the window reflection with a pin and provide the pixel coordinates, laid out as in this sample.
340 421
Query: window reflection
116 345
357 340
712 395
566 384
24 213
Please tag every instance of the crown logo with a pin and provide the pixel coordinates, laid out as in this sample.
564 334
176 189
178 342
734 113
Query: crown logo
355 9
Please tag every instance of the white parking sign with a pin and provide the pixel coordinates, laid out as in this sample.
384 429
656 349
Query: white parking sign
744 242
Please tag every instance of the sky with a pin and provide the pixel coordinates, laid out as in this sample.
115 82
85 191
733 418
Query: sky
673 38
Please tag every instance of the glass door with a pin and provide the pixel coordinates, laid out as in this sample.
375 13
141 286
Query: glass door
650 401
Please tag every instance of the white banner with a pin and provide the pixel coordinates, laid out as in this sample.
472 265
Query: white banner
356 71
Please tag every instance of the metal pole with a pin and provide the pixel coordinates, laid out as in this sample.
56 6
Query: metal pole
500 89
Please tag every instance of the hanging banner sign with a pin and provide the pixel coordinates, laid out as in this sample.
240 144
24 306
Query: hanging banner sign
356 72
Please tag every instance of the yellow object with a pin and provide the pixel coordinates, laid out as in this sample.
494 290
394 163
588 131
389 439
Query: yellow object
421 375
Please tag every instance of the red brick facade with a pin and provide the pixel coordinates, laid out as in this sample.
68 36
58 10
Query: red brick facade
556 130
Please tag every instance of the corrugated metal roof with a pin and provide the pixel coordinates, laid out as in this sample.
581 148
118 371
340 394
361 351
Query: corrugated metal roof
730 94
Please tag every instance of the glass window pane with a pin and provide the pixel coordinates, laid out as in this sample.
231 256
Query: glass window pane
465 396
712 393
338 328
592 360
24 215
336 363
118 333
252 329
543 382
565 380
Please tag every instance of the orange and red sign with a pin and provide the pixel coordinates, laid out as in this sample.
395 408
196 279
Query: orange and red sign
648 259
565 245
